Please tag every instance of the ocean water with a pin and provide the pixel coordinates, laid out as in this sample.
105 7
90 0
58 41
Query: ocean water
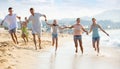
111 41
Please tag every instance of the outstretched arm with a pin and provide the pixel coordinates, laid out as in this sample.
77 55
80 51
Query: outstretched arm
85 30
70 27
19 17
61 27
47 22
90 29
20 21
27 20
103 30
2 22
44 16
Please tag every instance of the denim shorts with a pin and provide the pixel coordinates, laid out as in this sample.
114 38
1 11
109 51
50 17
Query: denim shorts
54 35
95 38
12 30
77 37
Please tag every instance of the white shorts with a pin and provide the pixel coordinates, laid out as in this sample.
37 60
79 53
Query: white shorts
37 32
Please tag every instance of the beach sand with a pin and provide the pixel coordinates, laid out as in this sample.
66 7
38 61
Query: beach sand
24 56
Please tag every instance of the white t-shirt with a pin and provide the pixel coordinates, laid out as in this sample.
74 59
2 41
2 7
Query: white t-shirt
11 21
55 29
36 22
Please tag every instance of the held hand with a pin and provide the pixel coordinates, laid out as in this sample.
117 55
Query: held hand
1 24
45 19
44 16
65 27
107 34
87 33
25 18
19 18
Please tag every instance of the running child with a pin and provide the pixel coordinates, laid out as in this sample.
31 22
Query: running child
11 20
24 31
55 27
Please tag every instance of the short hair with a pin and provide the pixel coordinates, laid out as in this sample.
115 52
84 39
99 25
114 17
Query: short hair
93 18
77 19
10 8
31 9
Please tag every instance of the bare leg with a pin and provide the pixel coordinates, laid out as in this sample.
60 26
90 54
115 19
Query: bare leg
16 37
13 38
53 41
27 38
98 46
23 36
56 44
24 40
81 47
34 39
39 43
76 45
93 42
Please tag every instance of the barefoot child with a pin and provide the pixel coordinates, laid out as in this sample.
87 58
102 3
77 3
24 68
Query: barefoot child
78 30
11 20
24 31
55 27
95 34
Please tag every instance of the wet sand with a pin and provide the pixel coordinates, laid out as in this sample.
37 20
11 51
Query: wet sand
65 58
25 57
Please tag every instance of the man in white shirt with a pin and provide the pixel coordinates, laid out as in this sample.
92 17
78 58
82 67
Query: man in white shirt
36 26
11 20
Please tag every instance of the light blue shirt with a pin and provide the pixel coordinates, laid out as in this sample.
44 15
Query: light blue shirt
95 32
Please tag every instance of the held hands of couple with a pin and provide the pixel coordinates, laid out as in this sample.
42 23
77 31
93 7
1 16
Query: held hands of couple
19 18
87 33
107 34
45 19
25 18
44 16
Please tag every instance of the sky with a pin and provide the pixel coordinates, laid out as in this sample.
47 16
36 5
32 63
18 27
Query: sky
57 9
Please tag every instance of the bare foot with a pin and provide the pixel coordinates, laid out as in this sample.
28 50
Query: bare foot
17 42
95 49
52 44
98 54
35 48
40 47
76 51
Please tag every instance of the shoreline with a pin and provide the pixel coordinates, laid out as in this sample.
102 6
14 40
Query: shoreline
26 57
